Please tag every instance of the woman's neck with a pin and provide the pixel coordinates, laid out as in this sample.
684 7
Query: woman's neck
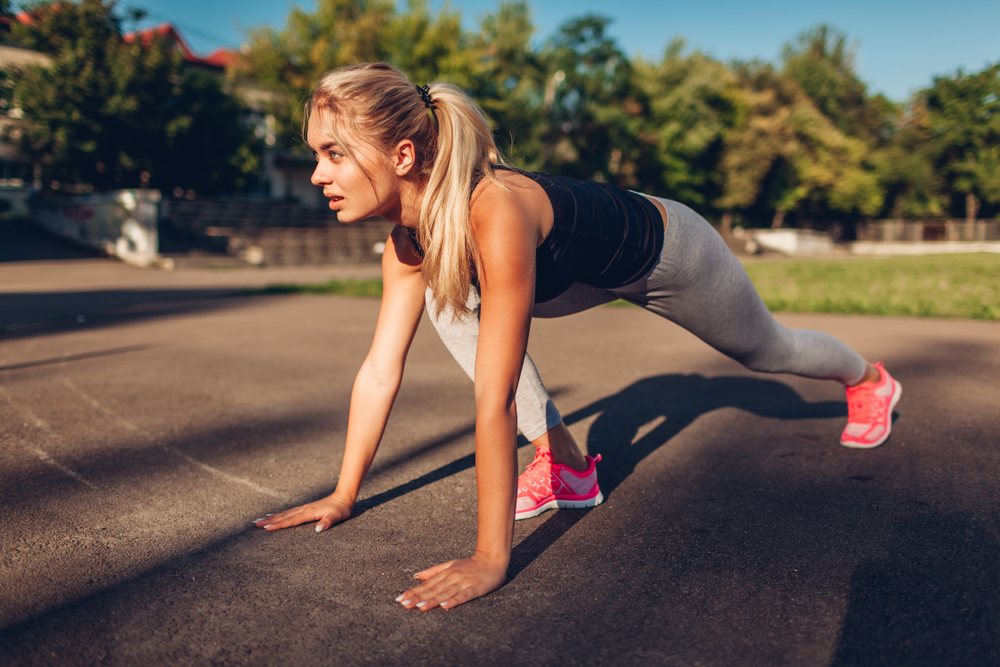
410 199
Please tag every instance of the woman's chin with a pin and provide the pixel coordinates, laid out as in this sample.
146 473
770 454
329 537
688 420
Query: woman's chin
345 216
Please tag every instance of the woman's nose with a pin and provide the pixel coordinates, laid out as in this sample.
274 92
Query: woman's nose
318 176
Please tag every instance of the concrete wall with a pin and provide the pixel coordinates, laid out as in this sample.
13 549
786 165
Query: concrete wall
121 224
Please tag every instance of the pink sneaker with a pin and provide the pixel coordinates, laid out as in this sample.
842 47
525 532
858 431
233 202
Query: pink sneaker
545 485
869 411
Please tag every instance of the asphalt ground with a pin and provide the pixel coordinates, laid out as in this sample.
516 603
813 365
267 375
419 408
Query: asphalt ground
139 441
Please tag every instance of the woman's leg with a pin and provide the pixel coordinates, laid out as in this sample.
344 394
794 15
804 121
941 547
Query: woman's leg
701 286
537 416
536 413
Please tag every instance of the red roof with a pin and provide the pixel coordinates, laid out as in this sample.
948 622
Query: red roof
221 58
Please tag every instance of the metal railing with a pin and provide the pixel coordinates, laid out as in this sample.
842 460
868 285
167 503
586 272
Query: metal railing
918 231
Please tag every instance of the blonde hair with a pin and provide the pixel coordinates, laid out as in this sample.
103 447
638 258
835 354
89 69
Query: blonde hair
376 103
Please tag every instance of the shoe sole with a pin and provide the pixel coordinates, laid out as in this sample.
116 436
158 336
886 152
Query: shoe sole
560 504
896 393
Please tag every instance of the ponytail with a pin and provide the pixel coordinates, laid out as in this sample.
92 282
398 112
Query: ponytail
454 142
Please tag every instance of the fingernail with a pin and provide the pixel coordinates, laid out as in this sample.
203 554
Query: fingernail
268 526
423 604
399 599
319 528
260 519
406 602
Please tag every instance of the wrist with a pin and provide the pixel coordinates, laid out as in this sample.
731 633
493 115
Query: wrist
345 498
499 559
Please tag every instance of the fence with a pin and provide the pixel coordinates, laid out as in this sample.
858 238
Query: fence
276 233
918 231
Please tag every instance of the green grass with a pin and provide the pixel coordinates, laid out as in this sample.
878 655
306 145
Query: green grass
364 288
960 285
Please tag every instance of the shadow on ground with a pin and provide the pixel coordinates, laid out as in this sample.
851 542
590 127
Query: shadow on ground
23 241
32 314
715 574
677 400
931 600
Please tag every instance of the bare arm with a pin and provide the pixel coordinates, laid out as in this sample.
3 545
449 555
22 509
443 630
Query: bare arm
507 232
375 387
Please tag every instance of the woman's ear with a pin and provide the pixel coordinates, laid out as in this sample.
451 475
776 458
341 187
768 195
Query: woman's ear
404 157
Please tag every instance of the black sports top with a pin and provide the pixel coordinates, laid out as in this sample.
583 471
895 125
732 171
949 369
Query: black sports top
602 236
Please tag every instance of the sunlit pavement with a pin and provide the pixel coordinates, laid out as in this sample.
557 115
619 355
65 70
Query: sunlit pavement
140 440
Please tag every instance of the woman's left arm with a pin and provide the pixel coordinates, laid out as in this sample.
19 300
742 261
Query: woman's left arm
507 235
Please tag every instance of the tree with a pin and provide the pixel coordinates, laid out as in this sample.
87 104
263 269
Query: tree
289 62
822 63
964 119
85 110
591 113
905 167
787 154
507 77
210 147
693 103
113 111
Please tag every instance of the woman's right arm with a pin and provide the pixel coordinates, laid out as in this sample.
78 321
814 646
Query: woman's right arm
375 387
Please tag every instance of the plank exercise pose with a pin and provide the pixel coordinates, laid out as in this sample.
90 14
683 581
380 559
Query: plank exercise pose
486 248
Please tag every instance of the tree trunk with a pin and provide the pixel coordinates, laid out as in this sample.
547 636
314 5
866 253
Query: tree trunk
779 219
897 207
727 224
971 208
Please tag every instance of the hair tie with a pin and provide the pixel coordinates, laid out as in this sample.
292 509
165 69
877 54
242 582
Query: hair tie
425 95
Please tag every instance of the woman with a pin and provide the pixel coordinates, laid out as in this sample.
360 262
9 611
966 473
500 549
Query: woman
487 248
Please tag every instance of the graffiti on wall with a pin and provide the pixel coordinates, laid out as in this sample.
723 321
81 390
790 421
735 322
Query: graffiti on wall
121 224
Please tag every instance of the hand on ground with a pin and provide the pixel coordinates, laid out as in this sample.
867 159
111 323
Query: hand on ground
328 511
455 582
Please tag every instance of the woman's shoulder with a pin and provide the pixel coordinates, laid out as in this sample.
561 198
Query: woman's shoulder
511 200
508 188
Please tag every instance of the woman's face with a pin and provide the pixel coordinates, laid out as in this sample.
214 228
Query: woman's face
354 193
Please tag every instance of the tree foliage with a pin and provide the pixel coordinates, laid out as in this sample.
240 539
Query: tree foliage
801 141
788 152
821 61
694 103
963 113
113 111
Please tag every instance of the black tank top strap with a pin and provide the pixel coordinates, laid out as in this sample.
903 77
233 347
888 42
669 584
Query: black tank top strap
411 233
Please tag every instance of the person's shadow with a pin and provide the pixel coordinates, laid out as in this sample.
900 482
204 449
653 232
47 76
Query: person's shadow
679 400
675 399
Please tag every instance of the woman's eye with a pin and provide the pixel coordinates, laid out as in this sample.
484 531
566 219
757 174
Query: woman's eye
335 155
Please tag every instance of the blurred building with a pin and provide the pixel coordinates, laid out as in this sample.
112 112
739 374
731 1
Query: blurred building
286 174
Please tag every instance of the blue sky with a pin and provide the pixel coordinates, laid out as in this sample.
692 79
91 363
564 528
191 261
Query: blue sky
901 45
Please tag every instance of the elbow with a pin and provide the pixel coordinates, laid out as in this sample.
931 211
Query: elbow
380 376
493 405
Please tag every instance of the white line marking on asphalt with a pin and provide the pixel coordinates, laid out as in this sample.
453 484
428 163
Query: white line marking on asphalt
167 448
225 475
39 423
97 406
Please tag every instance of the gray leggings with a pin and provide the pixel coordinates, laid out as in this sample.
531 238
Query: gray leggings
698 284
